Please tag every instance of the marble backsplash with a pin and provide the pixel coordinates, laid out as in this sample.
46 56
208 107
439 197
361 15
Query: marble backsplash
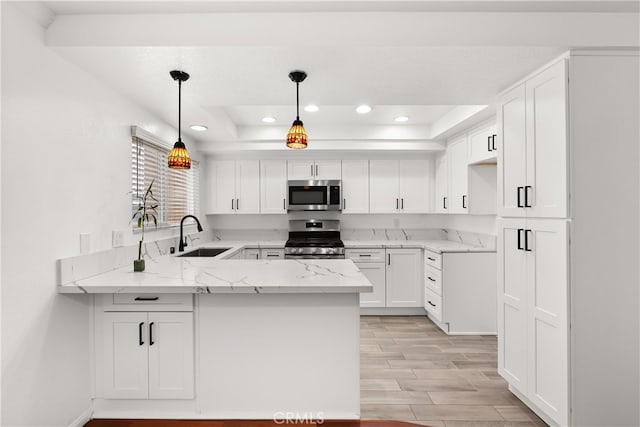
88 265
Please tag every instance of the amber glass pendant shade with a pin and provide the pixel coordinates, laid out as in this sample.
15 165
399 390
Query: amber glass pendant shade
297 136
179 157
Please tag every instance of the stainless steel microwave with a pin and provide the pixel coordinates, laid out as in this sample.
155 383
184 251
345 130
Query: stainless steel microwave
314 195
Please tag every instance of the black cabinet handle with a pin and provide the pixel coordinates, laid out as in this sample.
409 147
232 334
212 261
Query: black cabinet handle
311 170
431 259
146 298
464 200
489 143
493 142
388 259
284 204
431 304
344 204
151 334
231 204
520 230
519 201
444 203
237 204
273 255
140 341
396 203
363 255
526 240
526 196
431 278
402 203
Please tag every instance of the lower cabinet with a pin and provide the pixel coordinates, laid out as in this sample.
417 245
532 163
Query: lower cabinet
271 253
396 276
144 346
459 289
251 253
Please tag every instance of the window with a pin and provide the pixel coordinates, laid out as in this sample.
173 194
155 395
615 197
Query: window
177 191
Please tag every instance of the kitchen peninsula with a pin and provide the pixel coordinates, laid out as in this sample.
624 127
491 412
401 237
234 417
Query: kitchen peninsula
204 338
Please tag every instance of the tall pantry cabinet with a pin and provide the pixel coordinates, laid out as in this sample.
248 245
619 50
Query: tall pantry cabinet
568 294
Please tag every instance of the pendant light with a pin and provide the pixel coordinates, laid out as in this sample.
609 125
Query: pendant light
179 156
297 136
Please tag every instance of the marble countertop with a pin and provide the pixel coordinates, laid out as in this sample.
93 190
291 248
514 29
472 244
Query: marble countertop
439 246
172 274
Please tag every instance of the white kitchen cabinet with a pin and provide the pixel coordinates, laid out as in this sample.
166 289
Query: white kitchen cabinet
355 186
532 311
234 186
532 147
251 253
273 186
400 186
271 253
460 291
441 184
310 169
371 262
148 355
483 144
404 278
457 165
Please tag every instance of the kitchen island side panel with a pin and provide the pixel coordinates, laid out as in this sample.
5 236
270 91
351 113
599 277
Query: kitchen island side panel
262 356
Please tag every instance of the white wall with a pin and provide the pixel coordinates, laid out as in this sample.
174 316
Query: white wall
66 170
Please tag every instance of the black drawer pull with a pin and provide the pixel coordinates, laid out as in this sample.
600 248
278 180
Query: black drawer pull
489 143
464 202
520 230
431 304
146 298
151 334
520 202
431 259
493 142
365 255
273 255
140 333
431 278
526 196
444 203
526 240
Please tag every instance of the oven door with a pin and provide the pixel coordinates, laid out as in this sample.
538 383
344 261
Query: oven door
314 256
308 196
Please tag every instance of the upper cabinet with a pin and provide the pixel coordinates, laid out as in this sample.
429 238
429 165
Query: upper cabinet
457 176
355 186
233 186
319 169
441 183
483 145
400 186
532 147
273 186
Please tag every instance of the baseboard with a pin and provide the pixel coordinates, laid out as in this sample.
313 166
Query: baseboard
382 311
83 418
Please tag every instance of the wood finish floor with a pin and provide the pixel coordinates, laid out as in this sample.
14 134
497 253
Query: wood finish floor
412 371
241 423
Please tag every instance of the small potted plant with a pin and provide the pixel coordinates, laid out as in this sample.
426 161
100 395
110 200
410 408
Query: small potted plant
145 213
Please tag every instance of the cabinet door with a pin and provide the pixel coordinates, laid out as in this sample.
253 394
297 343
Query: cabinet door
547 305
171 356
482 145
405 285
247 186
125 370
441 200
415 185
300 169
327 169
273 186
547 179
512 303
512 153
221 186
458 175
383 186
251 253
376 273
355 186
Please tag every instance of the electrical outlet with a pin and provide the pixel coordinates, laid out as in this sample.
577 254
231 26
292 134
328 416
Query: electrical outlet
85 243
117 238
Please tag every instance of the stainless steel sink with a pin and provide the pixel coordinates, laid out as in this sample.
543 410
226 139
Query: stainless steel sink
205 252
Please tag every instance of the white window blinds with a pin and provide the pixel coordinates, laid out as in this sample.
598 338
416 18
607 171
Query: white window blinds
177 191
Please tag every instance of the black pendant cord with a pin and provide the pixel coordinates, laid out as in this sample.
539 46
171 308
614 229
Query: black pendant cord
297 101
179 109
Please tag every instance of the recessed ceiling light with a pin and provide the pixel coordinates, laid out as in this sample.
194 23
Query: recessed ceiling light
401 119
311 108
268 119
199 128
363 109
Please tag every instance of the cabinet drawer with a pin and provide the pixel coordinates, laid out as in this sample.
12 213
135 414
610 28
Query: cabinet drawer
433 259
272 253
365 255
433 303
433 279
148 302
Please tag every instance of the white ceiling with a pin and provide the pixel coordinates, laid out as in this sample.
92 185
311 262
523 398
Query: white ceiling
415 58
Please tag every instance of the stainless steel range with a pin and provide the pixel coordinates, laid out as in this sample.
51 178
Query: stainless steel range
316 239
